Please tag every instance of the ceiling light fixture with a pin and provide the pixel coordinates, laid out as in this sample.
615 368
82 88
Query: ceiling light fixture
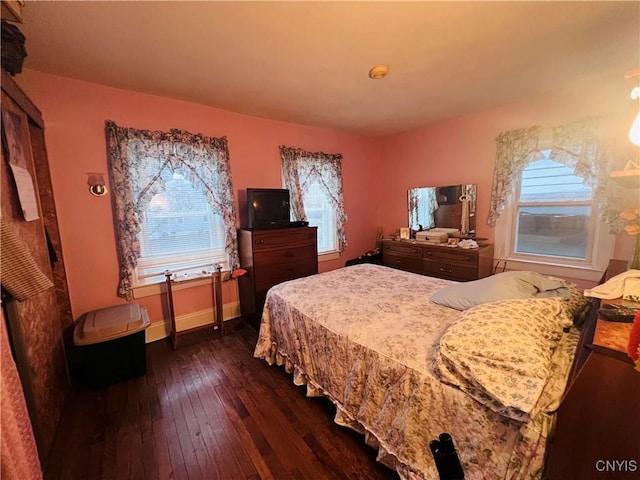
378 72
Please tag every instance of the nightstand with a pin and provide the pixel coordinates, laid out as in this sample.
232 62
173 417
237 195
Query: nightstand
611 339
597 432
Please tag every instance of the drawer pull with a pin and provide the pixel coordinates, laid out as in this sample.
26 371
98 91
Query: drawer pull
445 270
289 254
429 253
261 241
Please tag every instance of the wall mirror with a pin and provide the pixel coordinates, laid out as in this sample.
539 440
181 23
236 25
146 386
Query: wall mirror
451 206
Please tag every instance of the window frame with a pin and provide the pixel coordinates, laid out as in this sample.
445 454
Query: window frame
184 265
136 181
331 231
600 245
320 164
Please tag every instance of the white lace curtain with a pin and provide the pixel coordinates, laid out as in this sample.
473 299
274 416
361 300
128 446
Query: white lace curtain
422 207
581 145
300 169
137 159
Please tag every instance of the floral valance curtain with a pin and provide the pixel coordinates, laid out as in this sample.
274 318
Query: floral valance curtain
581 145
137 159
300 169
514 149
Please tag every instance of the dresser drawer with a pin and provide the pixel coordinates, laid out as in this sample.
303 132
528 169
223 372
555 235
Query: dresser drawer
400 249
450 271
403 263
455 255
438 260
265 278
276 257
271 257
268 239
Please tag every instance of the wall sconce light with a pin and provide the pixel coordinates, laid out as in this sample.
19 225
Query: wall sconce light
97 185
634 131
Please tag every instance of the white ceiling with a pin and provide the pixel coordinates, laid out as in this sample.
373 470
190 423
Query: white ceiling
307 62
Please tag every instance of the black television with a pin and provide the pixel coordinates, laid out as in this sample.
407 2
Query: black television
268 208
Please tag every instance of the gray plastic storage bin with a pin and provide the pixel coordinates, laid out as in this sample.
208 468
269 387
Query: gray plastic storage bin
112 344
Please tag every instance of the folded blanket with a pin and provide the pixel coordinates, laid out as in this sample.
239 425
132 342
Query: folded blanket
21 276
612 288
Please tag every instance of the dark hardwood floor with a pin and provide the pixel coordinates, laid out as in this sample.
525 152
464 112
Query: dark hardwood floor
207 410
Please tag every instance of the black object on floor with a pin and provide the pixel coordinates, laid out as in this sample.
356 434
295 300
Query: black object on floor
446 458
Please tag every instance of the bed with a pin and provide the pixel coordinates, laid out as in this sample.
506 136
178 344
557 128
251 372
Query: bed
402 369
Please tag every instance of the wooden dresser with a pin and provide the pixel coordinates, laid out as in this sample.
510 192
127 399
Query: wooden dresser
597 432
441 261
271 257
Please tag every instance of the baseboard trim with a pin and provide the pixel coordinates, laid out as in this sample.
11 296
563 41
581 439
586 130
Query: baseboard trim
159 330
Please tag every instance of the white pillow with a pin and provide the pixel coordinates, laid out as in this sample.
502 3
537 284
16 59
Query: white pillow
502 286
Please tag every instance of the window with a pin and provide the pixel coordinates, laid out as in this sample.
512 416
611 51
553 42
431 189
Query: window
320 213
314 181
553 212
551 220
552 202
173 204
180 232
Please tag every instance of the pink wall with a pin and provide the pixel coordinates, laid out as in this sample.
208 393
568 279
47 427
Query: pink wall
462 150
377 171
74 114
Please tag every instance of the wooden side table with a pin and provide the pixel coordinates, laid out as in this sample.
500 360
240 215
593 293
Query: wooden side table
597 432
217 296
611 338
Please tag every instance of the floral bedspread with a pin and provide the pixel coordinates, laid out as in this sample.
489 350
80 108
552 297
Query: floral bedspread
364 336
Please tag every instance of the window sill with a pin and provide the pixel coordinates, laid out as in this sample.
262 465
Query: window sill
161 287
578 272
325 257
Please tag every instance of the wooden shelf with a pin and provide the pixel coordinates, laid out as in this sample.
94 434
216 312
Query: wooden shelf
628 178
